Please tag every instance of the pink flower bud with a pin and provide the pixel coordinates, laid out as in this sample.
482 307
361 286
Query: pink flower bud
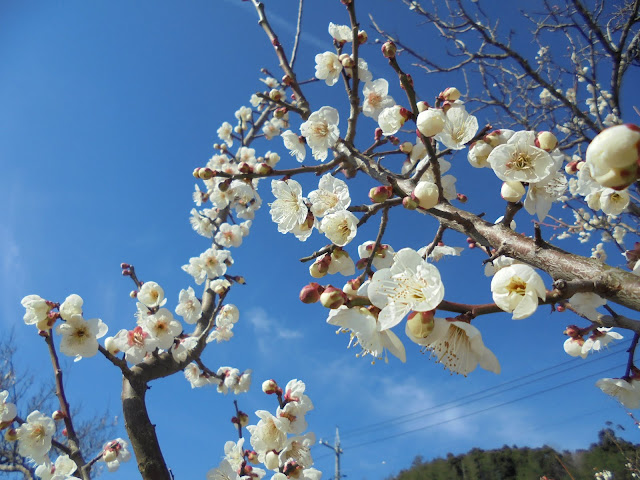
352 286
362 37
275 95
196 172
360 264
252 457
244 167
311 293
377 134
560 308
124 265
58 415
462 198
389 49
333 297
263 169
571 168
381 193
410 202
205 173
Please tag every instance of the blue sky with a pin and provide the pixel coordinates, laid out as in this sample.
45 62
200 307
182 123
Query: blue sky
107 109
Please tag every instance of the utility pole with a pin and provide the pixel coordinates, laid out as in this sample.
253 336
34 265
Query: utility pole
337 450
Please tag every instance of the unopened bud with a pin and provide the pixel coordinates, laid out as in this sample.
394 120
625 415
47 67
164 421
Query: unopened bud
410 202
11 435
427 194
450 94
244 167
311 293
58 415
133 293
422 106
512 191
352 286
205 173
571 168
546 141
271 460
462 198
252 457
109 455
362 37
393 139
420 324
263 169
573 331
111 345
406 147
275 95
377 134
270 387
286 80
65 433
389 49
320 267
347 61
380 193
560 308
332 297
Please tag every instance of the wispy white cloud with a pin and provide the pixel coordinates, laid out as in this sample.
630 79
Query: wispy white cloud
268 330
11 271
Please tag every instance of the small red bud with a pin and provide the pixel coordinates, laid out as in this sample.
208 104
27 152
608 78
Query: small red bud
377 134
389 49
462 198
311 293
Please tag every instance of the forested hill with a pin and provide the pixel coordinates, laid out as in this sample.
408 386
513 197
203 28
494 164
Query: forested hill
610 453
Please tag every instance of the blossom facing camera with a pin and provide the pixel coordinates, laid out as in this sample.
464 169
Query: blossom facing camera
613 156
516 290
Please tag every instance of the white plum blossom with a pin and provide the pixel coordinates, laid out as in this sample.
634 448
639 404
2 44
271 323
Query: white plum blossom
331 196
516 289
135 344
151 295
296 407
328 67
541 195
614 202
225 320
520 160
224 471
295 146
269 434
458 346
298 450
376 98
289 210
341 263
364 330
201 222
114 453
214 262
36 313
431 122
162 328
321 131
459 127
600 338
585 304
391 119
234 453
189 307
492 267
80 336
34 436
440 251
339 227
229 235
62 469
224 133
383 257
181 348
71 306
479 154
8 410
340 33
193 374
410 284
627 392
573 347
612 156
270 129
364 75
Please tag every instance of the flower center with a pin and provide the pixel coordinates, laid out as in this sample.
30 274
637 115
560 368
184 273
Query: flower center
520 161
321 129
374 99
517 285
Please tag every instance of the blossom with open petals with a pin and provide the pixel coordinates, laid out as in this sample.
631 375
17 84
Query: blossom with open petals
189 306
626 391
458 346
295 146
391 119
72 305
36 313
289 210
34 436
459 127
520 160
80 336
600 338
332 195
328 67
410 284
114 453
269 434
8 410
363 328
340 227
376 98
516 290
62 469
321 131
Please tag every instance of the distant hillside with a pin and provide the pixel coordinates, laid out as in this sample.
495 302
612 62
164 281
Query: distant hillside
610 453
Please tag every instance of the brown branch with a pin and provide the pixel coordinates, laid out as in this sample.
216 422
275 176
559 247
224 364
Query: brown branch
297 38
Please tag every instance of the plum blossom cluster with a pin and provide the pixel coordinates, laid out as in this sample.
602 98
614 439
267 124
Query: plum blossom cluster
279 441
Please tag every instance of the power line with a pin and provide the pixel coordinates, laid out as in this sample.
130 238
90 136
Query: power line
411 417
491 407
